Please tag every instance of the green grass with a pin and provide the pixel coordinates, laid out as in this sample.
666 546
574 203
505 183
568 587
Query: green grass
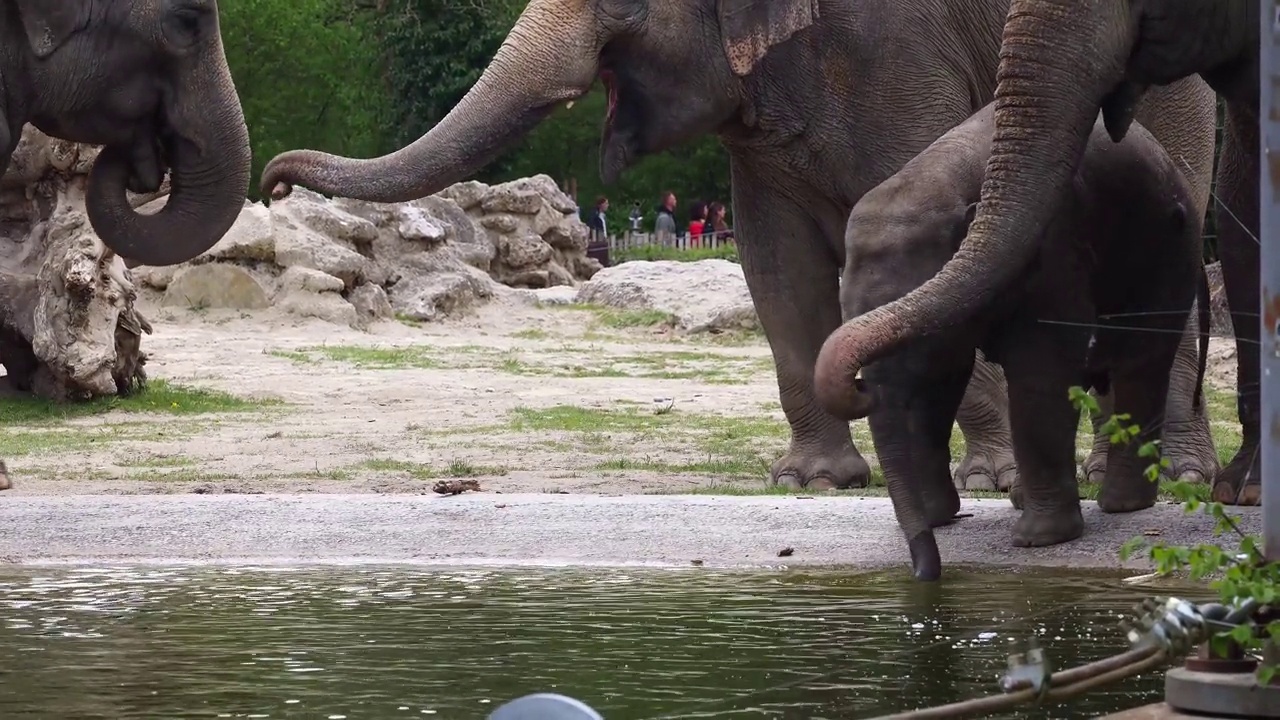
365 357
421 471
727 251
159 396
708 367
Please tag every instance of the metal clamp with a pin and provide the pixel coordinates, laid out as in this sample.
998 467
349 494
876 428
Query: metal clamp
1029 668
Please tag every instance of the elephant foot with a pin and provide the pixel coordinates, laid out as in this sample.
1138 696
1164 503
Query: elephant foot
1240 482
987 470
1041 529
1189 449
817 470
5 483
1119 497
1094 469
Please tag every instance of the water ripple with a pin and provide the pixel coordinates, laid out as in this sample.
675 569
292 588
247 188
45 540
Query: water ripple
379 642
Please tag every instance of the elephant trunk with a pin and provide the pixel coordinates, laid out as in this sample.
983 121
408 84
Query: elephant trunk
1058 60
550 56
209 157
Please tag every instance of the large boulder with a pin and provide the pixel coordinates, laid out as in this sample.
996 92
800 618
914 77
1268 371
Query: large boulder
425 259
707 295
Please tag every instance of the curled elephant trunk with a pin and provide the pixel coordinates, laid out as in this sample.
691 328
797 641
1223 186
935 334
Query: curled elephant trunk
1058 60
550 56
209 158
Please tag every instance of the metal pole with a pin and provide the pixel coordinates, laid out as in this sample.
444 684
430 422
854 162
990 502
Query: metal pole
1269 261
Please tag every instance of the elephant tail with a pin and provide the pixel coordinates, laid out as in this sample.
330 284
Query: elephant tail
1205 317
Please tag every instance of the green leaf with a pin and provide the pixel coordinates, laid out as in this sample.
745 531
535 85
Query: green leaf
1266 673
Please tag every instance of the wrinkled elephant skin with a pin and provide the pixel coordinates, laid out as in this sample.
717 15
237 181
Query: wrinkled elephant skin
168 103
1131 202
1063 61
816 102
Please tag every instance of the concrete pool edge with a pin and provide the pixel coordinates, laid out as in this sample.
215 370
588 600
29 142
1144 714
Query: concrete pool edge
545 530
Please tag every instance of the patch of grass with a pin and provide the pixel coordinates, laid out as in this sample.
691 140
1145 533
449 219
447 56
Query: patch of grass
625 319
366 357
421 471
727 251
625 438
68 439
159 396
156 461
532 334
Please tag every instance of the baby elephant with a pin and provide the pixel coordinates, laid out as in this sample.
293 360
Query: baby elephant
1104 301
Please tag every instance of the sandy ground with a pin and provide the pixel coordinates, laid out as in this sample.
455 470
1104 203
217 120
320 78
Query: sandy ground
543 407
669 530
519 398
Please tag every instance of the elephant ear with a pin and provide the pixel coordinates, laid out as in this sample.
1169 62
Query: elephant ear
48 23
749 28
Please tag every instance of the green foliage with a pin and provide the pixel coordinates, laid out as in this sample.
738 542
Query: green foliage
1239 575
364 77
728 251
309 75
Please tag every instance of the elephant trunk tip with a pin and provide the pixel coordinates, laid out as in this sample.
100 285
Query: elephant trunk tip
926 561
836 386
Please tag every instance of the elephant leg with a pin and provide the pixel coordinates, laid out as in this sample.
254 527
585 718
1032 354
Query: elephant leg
5 483
911 429
1239 482
792 276
1186 442
1094 469
1039 367
1140 391
983 418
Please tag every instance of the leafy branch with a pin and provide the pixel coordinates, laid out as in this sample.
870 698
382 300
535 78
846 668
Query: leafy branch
1239 575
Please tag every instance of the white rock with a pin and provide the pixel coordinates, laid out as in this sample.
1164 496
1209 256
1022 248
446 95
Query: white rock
702 296
304 279
329 307
214 285
416 225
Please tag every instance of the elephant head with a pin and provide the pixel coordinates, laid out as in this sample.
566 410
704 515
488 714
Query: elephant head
148 81
672 70
1061 61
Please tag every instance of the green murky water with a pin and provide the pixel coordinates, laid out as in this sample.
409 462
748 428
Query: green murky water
401 642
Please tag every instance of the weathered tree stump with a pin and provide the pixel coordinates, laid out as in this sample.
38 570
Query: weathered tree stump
68 326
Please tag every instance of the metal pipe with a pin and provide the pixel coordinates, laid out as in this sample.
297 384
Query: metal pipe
1269 263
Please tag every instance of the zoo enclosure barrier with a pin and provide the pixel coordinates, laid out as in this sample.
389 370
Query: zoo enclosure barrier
1269 265
614 248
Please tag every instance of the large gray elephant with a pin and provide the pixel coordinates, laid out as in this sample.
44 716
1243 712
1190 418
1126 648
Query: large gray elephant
1128 203
148 81
1061 62
816 102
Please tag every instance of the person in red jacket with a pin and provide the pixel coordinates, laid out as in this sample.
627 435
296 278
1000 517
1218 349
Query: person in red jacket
697 219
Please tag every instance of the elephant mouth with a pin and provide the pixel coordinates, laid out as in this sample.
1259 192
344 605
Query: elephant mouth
618 142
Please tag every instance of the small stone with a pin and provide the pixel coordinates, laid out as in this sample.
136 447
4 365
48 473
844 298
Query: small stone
507 199
300 278
415 225
371 302
329 307
500 223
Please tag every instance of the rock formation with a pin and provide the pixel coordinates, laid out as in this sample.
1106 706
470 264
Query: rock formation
701 296
348 261
68 326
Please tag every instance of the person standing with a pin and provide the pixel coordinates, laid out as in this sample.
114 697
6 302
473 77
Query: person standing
697 221
596 219
664 227
716 225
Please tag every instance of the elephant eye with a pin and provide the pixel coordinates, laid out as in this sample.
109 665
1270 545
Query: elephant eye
184 22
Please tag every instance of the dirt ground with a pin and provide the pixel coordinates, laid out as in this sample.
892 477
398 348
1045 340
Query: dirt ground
517 397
